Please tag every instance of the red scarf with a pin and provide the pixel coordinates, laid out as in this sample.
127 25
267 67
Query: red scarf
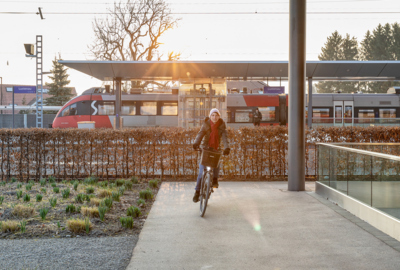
214 137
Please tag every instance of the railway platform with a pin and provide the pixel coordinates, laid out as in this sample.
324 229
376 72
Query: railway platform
258 225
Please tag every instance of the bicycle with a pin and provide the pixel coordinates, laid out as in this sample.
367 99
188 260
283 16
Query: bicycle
210 161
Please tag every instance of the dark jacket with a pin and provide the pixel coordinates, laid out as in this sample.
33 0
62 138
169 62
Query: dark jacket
204 134
257 116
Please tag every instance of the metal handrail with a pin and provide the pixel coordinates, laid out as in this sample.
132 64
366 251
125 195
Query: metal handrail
363 152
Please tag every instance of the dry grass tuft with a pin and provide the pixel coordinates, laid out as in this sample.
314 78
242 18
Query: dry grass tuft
9 225
104 193
23 211
95 201
90 211
77 225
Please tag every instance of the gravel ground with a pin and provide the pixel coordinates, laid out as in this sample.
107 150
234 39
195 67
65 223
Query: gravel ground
71 253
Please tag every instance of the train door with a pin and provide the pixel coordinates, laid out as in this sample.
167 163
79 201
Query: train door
343 112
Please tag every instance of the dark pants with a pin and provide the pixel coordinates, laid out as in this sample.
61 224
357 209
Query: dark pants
257 123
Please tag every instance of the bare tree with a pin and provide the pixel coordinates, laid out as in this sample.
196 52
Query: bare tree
131 31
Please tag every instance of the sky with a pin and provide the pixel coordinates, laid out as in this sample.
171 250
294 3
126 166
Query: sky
260 35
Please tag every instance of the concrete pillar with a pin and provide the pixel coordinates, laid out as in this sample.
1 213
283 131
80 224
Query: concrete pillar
309 102
117 102
297 75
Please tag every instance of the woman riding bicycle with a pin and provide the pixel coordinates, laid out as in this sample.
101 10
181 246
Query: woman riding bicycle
210 134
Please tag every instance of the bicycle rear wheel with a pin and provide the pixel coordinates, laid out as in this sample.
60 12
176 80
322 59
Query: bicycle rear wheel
204 194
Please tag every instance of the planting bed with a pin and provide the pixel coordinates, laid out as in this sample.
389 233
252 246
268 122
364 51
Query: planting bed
17 213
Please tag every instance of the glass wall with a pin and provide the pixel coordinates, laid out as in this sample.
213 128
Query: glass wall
369 175
197 97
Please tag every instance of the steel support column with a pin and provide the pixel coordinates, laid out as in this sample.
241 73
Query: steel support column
309 102
117 102
297 75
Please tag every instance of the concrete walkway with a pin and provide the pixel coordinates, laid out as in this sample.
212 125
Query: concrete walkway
256 225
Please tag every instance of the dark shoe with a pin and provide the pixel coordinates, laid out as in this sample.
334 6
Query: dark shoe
215 183
196 196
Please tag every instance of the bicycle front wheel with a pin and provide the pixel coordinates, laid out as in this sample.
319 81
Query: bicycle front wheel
205 193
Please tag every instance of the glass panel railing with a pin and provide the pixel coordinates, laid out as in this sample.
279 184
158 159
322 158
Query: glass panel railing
363 171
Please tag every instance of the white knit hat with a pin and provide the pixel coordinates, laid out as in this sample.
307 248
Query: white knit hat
214 111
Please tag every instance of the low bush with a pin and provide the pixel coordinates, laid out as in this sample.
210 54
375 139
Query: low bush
39 197
43 213
22 226
53 202
95 201
13 179
121 190
133 211
19 185
103 193
103 184
90 190
115 196
79 198
65 193
9 226
102 212
146 194
153 183
76 184
127 222
44 190
52 179
1 200
128 185
107 202
23 211
91 180
141 202
120 182
43 182
19 194
78 225
26 198
56 190
28 186
134 180
70 208
53 185
90 211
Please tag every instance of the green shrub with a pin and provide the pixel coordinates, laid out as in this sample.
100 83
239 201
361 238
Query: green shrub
87 197
127 222
107 202
70 208
120 182
2 183
53 202
91 180
146 194
90 190
64 181
53 185
115 196
79 198
76 184
121 190
22 226
111 185
28 187
43 182
133 211
65 193
56 190
103 184
39 197
128 185
44 190
153 183
43 213
87 225
19 185
31 182
52 179
102 212
141 202
1 200
26 198
134 180
58 224
13 179
19 194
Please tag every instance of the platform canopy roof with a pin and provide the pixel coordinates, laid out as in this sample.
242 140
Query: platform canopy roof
239 70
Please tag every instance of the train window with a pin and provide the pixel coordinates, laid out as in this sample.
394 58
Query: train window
65 112
148 108
320 113
244 115
348 111
106 108
169 108
268 113
83 107
387 113
128 108
72 109
364 115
